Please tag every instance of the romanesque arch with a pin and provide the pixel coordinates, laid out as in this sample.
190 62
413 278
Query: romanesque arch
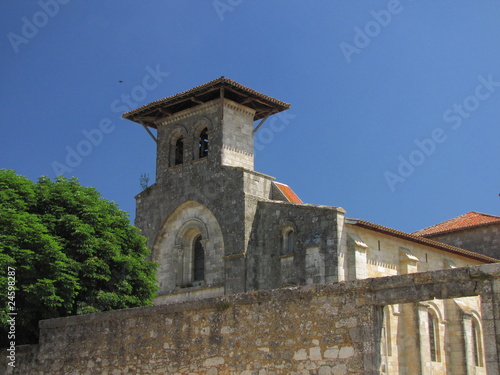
189 249
202 130
177 140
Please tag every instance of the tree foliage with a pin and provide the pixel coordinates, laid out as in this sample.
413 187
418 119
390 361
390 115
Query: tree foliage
73 253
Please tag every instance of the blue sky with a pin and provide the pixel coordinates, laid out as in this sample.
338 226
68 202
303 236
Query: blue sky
395 110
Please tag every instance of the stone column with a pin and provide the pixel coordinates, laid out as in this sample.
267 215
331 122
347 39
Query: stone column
454 336
425 350
470 367
490 309
408 340
180 264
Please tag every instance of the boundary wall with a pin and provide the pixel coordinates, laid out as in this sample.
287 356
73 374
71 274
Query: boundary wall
319 329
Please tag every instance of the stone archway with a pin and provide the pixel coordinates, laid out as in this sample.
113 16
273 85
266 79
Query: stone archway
175 240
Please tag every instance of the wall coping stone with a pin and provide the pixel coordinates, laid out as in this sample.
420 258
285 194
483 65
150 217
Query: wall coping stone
306 205
473 278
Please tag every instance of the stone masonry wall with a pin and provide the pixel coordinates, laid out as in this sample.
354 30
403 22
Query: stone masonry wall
316 244
222 182
484 239
319 329
383 254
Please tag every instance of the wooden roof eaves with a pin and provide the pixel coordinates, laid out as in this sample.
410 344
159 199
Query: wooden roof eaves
265 103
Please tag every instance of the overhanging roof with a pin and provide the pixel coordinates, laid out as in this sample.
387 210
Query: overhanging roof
469 220
218 88
421 240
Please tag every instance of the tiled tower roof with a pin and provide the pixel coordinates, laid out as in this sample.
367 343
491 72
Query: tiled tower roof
221 87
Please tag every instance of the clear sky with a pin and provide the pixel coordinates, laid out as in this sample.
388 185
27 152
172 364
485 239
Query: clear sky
395 110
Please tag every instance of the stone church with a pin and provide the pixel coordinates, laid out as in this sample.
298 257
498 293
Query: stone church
253 281
218 227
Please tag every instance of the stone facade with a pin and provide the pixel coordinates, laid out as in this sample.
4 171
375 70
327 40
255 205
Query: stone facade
239 213
194 198
253 236
336 328
252 281
256 238
313 258
387 255
483 239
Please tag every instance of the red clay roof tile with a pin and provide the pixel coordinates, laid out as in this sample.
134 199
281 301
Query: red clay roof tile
288 193
468 220
421 240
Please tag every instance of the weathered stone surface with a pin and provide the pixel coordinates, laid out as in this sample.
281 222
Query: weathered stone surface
308 265
266 332
484 239
252 240
222 199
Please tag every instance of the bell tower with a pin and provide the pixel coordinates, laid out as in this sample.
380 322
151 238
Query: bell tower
214 121
199 214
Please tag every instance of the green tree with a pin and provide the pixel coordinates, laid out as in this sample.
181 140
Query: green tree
73 253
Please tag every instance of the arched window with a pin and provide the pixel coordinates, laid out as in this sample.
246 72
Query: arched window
179 151
288 242
191 242
198 260
203 144
434 337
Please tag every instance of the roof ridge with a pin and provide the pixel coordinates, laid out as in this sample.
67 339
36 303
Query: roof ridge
483 214
221 80
281 183
470 219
